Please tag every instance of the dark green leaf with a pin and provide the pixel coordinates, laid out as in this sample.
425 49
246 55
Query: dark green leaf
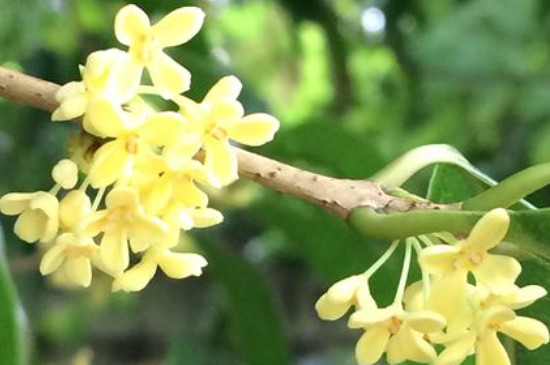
255 322
11 350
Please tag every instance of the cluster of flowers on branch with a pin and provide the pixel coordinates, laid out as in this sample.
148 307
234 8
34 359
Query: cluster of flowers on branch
465 297
143 168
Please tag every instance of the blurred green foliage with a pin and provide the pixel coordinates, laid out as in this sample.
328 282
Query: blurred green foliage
471 73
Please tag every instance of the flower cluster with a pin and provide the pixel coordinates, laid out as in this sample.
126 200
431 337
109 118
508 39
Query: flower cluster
449 314
145 169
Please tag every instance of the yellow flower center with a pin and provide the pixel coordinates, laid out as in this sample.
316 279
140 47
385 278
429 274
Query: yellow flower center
132 144
217 132
144 49
77 251
394 324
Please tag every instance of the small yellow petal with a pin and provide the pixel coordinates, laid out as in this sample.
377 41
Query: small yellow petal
448 297
489 351
426 321
180 153
368 318
130 24
73 208
456 352
495 316
16 203
111 161
70 90
169 76
371 345
227 89
181 265
220 161
344 290
94 223
42 218
178 27
523 297
497 273
159 195
439 259
78 270
530 332
71 108
162 128
191 195
206 217
136 278
489 231
414 347
148 228
254 129
225 113
329 310
114 251
30 225
122 197
52 259
105 119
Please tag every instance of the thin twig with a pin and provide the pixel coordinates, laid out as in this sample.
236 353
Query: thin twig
338 196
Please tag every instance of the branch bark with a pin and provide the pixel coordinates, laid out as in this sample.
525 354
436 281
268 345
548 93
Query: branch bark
338 196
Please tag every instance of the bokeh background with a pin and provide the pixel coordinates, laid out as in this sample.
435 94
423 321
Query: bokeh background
355 83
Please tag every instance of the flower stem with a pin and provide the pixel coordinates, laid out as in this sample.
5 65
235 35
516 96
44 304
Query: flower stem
381 260
425 275
98 199
404 273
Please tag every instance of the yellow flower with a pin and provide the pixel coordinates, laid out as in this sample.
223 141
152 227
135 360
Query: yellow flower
121 222
496 272
483 337
99 96
342 295
146 44
218 119
38 215
73 208
132 149
398 333
176 187
176 265
72 254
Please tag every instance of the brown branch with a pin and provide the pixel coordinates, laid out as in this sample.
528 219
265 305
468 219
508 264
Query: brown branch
338 196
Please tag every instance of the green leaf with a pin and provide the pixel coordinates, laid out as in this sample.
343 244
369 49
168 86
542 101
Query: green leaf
11 346
450 184
403 168
255 322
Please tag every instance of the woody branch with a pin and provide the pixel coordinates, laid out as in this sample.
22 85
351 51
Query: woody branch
338 196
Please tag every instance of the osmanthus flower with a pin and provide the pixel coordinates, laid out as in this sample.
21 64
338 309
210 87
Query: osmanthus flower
73 208
482 337
153 165
220 118
495 272
38 215
99 96
396 332
73 255
123 221
133 148
146 43
350 292
176 265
